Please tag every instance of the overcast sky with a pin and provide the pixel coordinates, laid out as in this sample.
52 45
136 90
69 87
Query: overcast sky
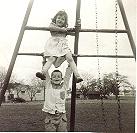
12 13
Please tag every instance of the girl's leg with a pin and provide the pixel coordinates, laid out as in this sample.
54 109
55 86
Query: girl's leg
73 66
45 68
48 64
59 61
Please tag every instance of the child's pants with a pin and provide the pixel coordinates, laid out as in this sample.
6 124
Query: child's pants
55 122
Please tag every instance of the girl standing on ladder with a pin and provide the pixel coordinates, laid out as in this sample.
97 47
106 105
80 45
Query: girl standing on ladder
57 48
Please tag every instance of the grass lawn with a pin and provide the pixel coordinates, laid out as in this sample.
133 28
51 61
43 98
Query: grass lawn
29 117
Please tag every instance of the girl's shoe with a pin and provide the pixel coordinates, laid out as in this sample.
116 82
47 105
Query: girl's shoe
40 75
79 79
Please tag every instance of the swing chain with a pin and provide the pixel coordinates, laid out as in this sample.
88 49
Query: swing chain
99 86
116 52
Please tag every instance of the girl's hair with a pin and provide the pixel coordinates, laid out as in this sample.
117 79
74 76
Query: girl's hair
62 12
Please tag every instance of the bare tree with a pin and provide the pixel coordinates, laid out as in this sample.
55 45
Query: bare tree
36 84
87 79
2 77
133 88
86 85
17 88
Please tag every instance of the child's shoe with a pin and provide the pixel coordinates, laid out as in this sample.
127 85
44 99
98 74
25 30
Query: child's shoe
79 79
40 75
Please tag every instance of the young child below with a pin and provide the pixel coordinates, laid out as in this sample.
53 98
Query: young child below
55 96
57 48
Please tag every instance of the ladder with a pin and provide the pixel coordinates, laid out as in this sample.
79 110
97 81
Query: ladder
77 29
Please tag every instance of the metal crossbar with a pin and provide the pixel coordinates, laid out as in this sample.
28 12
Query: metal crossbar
80 30
79 55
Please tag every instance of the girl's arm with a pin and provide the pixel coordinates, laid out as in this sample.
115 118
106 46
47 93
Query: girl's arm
78 24
54 27
71 33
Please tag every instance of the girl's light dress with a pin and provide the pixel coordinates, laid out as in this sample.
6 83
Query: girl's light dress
57 45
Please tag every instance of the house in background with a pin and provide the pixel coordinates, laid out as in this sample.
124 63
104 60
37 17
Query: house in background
79 94
93 95
89 95
23 93
27 95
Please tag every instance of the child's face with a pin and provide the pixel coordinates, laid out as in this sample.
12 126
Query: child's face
60 20
56 78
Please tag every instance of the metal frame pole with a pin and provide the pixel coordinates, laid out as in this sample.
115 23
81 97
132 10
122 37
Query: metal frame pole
73 95
43 63
133 46
15 53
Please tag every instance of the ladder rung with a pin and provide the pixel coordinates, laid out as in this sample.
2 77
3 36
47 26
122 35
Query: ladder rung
45 28
104 30
31 54
81 30
108 56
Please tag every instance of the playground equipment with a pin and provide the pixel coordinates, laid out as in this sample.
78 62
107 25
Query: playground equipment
77 30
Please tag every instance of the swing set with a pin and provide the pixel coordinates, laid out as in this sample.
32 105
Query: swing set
77 30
